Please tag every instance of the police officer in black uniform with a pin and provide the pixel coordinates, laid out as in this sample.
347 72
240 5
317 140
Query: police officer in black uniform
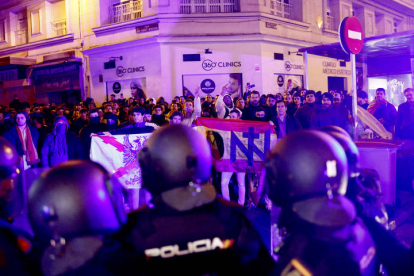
16 247
189 231
74 209
306 174
365 197
364 191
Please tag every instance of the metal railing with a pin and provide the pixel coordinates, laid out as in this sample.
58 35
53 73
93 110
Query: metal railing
208 6
59 27
281 9
125 11
330 23
21 36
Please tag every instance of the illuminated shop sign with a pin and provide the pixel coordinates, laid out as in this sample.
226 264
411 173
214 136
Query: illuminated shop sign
8 75
289 66
330 69
120 71
209 64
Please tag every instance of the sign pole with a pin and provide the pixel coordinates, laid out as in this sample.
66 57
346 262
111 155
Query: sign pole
305 61
354 96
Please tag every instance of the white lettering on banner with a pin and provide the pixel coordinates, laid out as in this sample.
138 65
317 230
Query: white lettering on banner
354 35
197 246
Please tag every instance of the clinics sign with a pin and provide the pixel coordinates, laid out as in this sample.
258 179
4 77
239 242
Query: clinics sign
121 71
208 64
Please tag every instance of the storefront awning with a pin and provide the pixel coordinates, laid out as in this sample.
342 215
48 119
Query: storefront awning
396 45
56 76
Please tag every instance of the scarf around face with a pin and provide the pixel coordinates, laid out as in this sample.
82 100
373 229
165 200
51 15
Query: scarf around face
29 148
374 105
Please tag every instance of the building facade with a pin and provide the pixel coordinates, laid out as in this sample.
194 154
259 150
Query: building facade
67 50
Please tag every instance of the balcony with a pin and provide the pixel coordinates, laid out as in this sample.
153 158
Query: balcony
59 27
21 36
330 23
125 11
281 9
208 6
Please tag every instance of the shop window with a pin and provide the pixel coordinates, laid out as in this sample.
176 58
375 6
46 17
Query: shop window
58 22
2 31
35 16
121 11
208 6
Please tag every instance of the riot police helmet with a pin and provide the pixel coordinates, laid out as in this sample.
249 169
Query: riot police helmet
11 184
351 150
174 156
305 164
74 199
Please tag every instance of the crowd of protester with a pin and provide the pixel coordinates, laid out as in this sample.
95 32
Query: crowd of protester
62 132
47 135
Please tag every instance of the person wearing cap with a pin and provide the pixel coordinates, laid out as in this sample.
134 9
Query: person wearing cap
304 113
223 105
189 231
111 120
306 175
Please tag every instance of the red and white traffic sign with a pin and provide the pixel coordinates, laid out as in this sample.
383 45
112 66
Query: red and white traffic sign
350 35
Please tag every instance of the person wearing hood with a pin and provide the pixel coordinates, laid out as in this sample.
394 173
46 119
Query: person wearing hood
61 145
111 120
224 104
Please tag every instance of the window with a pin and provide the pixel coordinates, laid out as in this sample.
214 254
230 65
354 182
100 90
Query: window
125 10
397 26
282 8
35 22
58 18
389 26
346 11
21 28
208 6
370 23
330 20
2 31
